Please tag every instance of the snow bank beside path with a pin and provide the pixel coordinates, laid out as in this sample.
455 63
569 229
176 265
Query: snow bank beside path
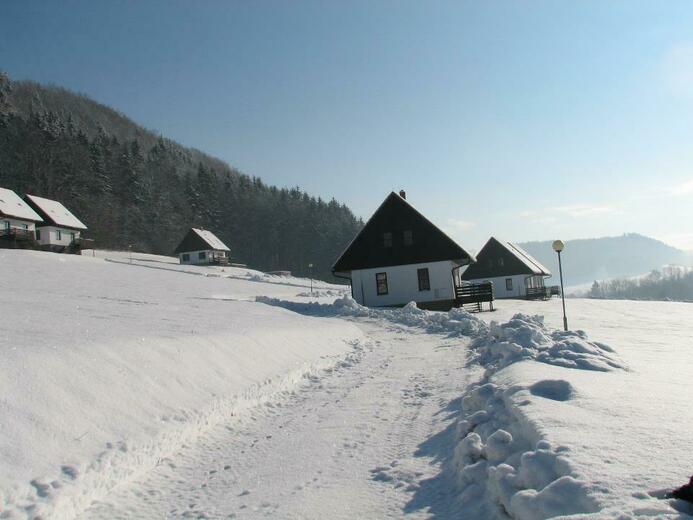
526 337
106 368
455 321
563 426
504 464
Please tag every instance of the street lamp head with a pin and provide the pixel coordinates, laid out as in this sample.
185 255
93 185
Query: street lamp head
558 246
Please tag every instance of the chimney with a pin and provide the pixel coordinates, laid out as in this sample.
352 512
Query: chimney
403 194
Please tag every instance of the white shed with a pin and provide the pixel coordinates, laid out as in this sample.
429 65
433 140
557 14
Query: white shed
60 230
202 247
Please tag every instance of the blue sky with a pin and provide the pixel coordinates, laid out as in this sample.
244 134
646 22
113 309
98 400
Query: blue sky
524 120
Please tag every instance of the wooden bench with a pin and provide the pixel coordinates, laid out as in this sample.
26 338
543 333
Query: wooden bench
474 294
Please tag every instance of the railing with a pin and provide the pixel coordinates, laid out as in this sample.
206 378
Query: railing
474 294
17 234
219 260
537 293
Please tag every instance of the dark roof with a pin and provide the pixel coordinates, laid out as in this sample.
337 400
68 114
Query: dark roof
499 258
54 213
395 215
200 240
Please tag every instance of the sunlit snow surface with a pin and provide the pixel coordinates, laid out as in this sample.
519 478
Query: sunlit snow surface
140 388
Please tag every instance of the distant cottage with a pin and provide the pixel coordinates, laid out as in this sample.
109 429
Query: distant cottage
400 256
17 221
60 230
513 271
202 247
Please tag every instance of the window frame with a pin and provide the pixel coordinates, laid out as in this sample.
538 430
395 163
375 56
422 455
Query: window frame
387 239
408 237
379 281
185 257
508 284
202 255
427 279
58 235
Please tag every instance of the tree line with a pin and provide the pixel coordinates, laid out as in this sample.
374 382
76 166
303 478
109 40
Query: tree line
671 283
134 188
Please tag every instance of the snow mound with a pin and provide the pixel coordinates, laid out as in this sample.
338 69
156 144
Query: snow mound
454 322
504 468
555 389
526 337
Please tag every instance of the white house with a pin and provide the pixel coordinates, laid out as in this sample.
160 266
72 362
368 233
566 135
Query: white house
60 230
400 256
202 247
17 221
513 271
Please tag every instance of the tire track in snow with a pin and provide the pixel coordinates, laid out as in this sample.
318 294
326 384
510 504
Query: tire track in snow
344 445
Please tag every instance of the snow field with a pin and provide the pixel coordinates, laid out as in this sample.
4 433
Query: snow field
560 425
114 374
623 432
106 368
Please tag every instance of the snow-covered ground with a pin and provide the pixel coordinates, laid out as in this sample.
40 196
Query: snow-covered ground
154 390
105 367
624 434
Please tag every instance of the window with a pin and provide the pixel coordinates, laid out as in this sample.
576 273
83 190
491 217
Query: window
25 226
408 237
424 280
185 257
508 284
38 234
58 235
381 283
72 237
500 262
5 224
202 255
387 239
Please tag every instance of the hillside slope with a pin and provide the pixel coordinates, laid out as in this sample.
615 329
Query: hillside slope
586 260
108 366
133 187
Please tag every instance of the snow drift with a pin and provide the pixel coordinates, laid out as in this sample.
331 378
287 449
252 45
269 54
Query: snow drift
455 321
107 367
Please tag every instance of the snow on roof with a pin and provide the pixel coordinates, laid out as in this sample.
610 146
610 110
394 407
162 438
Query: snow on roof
211 239
56 212
11 205
527 259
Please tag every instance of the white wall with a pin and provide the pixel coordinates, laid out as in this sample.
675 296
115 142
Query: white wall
403 284
48 236
194 256
17 224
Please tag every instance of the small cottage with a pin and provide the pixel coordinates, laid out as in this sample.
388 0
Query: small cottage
17 221
60 230
400 256
202 247
513 271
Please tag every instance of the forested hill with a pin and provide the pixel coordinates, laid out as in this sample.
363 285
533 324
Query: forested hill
586 260
131 186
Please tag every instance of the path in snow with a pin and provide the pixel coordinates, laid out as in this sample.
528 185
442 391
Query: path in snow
363 440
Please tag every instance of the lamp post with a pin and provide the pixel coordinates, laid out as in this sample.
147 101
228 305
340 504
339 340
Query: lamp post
558 247
310 266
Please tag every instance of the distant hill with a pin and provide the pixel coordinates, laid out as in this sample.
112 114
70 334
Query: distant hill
134 187
586 260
